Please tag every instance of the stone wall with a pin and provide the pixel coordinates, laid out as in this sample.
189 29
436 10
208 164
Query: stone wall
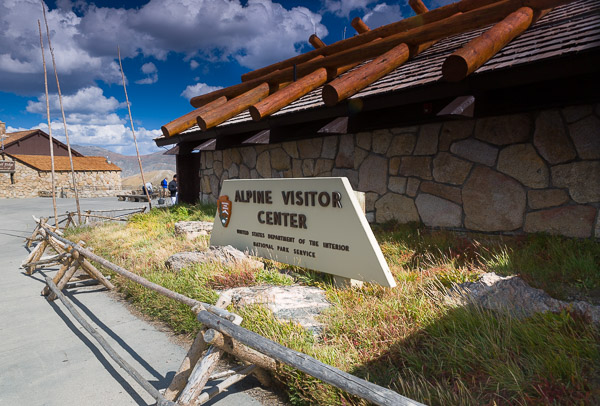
29 182
533 172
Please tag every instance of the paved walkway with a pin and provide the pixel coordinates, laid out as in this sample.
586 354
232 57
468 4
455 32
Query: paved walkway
46 358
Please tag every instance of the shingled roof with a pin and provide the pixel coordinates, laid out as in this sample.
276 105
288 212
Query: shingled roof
568 30
62 164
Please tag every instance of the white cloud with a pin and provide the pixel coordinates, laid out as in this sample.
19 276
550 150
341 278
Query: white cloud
198 89
194 64
151 74
383 14
86 100
342 8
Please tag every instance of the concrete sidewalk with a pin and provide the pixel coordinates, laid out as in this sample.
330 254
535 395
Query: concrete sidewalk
46 358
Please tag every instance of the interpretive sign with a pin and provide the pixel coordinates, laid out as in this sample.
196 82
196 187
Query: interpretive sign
7 166
315 223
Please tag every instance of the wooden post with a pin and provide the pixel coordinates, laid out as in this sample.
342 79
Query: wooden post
137 151
479 50
191 358
222 386
62 110
316 42
351 83
233 107
239 350
359 25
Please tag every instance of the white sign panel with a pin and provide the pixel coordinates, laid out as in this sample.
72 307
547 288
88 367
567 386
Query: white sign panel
315 223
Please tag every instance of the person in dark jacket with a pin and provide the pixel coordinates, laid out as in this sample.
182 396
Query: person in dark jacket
173 189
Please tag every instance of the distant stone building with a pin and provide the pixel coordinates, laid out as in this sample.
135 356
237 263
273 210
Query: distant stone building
25 169
512 148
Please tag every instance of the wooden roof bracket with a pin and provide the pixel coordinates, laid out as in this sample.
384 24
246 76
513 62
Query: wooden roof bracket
463 106
208 145
262 137
337 126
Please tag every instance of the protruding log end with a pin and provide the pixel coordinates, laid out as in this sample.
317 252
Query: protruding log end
455 68
202 123
418 6
330 95
255 113
165 131
359 25
316 42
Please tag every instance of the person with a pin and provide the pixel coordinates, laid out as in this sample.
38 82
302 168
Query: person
173 189
149 188
164 184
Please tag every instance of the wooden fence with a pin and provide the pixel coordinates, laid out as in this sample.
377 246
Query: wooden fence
221 334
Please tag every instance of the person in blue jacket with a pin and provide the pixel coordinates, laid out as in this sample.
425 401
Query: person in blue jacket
164 185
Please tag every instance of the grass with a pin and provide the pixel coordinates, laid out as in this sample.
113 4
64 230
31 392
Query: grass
406 338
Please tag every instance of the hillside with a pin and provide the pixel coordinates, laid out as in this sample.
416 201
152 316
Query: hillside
154 177
129 164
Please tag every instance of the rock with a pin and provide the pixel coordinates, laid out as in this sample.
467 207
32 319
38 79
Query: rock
345 155
586 137
581 178
263 164
550 138
208 159
475 151
363 140
541 199
412 186
438 212
370 199
291 148
323 167
418 166
503 130
393 206
597 228
455 130
310 147
514 295
402 144
297 168
444 191
193 229
231 156
427 141
308 167
234 171
249 157
280 160
226 256
449 169
244 172
394 165
574 113
359 156
524 164
492 201
372 175
397 184
381 141
218 168
296 304
329 147
571 221
205 185
214 185
351 174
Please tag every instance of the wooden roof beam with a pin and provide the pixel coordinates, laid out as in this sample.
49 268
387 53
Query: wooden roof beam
359 25
190 119
316 42
233 107
418 6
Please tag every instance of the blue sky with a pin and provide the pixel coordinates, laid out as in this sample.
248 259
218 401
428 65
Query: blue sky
171 49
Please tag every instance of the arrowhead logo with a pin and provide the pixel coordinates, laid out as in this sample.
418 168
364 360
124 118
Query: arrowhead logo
224 207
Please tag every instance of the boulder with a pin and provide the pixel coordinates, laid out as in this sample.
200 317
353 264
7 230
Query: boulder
581 178
296 304
550 138
571 221
227 256
514 295
586 137
280 160
381 141
444 191
427 141
345 155
249 157
402 144
438 212
524 164
393 206
503 130
263 164
419 166
310 147
397 184
541 199
193 229
455 130
492 201
329 147
475 151
449 169
372 175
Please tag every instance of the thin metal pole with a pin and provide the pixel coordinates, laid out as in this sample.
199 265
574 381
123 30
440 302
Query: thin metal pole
133 131
49 127
106 346
63 114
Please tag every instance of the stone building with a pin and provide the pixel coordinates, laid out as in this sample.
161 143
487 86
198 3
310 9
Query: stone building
513 147
25 169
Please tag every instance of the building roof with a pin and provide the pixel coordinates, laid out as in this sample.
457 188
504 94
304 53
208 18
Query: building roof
61 163
568 31
21 135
